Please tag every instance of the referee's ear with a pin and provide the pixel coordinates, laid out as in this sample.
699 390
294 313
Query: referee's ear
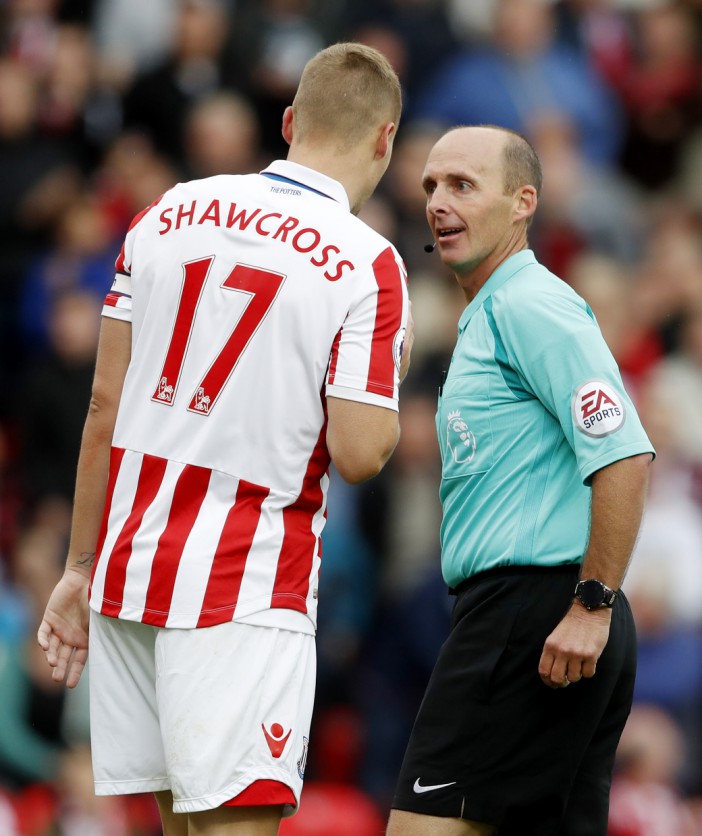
525 203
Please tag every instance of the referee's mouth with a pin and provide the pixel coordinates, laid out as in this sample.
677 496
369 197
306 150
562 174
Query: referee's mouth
448 234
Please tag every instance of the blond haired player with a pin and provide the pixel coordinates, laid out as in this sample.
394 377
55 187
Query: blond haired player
256 331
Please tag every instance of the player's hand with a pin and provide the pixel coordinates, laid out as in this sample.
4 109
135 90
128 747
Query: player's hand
63 632
407 346
573 648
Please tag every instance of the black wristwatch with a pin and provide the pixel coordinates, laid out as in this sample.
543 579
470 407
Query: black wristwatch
593 594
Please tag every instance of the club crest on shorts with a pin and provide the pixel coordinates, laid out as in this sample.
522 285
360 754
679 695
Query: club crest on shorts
459 438
598 409
276 738
302 763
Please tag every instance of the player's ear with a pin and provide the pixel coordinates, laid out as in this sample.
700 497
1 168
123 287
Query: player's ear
525 200
287 129
383 145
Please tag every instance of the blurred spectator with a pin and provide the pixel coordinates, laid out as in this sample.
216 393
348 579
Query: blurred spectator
612 292
415 35
348 597
197 65
669 548
669 277
521 75
132 175
670 660
471 22
275 39
38 179
602 32
75 104
31 738
413 510
646 799
82 259
56 397
583 207
29 32
133 36
677 381
11 496
660 90
221 137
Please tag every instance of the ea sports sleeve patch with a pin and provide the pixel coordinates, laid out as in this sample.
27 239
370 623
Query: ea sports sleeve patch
598 409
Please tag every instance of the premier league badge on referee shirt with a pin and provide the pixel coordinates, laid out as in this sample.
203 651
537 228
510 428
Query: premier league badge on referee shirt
460 440
598 409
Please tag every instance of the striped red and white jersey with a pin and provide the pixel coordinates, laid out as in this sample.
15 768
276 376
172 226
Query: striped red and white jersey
251 299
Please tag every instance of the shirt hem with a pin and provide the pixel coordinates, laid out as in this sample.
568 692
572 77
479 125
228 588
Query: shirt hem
348 393
282 618
612 456
112 312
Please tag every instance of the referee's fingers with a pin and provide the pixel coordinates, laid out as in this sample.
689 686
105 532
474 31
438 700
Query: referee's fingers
546 665
589 668
551 670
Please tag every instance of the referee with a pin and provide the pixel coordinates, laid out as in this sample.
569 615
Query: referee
544 472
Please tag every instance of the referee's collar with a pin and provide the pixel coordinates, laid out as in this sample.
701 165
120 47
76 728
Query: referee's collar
309 179
503 274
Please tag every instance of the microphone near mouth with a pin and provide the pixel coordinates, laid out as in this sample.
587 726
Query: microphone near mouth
429 248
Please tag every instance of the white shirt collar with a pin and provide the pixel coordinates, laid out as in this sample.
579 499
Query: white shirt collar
308 177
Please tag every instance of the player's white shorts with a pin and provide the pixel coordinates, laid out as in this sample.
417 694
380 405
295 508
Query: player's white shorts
203 713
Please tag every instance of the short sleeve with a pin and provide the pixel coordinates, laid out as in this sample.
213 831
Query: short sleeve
553 341
367 352
118 302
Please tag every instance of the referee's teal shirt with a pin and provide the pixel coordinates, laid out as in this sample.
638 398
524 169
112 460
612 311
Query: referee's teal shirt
533 404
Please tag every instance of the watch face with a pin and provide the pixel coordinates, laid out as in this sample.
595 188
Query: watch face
591 593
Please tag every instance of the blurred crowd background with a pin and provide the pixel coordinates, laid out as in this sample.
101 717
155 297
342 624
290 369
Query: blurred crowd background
106 104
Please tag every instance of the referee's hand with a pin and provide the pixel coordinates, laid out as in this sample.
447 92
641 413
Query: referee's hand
573 648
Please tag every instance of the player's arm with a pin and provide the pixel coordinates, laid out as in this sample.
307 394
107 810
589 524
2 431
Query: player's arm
63 633
360 437
618 495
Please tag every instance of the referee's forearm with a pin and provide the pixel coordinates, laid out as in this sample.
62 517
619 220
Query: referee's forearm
618 496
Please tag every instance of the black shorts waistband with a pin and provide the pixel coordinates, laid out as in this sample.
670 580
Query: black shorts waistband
514 571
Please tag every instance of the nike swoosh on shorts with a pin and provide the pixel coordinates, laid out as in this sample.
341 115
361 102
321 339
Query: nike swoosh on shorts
418 788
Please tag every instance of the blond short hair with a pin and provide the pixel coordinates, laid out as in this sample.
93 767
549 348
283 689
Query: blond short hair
346 91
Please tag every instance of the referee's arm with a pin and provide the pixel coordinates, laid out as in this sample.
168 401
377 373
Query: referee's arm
618 494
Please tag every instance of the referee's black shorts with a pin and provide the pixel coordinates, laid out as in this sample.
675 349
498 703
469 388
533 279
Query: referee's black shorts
491 742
